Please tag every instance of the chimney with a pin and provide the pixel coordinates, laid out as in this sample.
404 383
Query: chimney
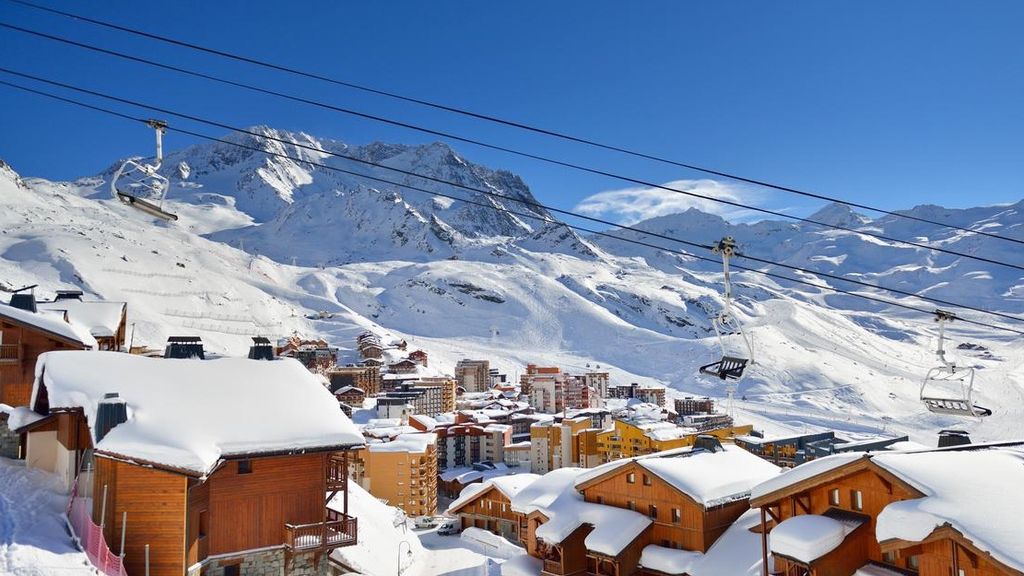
24 301
709 443
110 412
68 295
949 438
261 349
184 347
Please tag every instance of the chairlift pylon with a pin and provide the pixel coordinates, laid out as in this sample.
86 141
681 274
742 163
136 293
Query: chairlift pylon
730 367
948 389
138 184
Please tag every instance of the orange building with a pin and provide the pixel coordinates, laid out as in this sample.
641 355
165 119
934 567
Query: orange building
402 472
932 512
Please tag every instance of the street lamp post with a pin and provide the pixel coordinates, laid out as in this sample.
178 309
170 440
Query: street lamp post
408 552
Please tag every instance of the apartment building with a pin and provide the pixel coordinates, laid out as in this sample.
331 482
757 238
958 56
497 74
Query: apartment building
402 472
638 436
366 378
428 396
473 375
563 442
649 394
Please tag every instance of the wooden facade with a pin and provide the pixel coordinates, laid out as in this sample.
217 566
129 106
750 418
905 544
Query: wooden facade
20 346
491 510
864 489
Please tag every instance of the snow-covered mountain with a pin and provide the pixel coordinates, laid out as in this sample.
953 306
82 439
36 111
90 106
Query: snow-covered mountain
263 243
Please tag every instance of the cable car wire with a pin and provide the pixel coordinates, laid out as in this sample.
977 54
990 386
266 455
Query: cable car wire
502 121
530 215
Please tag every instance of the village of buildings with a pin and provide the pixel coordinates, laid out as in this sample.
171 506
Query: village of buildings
579 473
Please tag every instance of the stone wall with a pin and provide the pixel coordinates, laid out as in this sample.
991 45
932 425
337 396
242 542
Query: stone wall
8 440
267 563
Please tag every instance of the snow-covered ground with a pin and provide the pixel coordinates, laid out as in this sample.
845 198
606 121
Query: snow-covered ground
34 538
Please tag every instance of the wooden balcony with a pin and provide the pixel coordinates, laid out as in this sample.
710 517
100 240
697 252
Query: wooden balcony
337 472
321 536
10 353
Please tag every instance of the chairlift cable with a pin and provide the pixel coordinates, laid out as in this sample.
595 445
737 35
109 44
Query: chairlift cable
530 215
502 121
494 194
578 167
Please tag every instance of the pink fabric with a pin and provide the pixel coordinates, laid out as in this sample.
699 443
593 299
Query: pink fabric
90 537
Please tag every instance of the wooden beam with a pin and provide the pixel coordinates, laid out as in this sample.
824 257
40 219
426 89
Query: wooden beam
804 500
764 544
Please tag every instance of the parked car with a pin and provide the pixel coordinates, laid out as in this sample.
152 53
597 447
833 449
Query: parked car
424 522
451 527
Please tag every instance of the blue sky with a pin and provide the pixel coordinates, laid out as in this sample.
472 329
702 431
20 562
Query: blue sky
885 103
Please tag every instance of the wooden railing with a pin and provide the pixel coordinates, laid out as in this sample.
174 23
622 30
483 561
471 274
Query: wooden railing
552 567
321 535
337 473
10 353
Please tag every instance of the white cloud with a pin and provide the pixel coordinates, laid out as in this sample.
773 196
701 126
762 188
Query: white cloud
631 205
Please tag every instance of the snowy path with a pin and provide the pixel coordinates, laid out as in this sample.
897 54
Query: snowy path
34 539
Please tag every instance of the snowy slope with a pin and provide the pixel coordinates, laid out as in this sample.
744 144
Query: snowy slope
460 281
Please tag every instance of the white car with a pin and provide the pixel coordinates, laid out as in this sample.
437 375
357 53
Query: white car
450 527
424 522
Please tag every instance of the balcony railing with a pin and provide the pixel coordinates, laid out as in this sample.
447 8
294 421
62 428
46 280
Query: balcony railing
337 473
10 353
320 536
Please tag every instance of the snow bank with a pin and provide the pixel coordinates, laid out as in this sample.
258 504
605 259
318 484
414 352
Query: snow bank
189 414
380 533
20 416
711 478
490 544
50 322
807 537
976 491
522 565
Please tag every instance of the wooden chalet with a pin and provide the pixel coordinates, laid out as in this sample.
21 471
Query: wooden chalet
25 333
930 512
403 366
489 506
208 487
678 500
419 357
106 321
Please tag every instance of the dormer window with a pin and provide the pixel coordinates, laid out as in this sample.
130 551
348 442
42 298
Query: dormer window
245 466
631 478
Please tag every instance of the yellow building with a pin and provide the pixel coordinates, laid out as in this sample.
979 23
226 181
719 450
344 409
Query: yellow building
638 437
570 442
402 472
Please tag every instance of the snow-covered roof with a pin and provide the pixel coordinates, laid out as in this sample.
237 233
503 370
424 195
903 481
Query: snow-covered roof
51 322
807 537
465 474
418 443
711 478
554 495
188 414
424 420
102 319
976 491
669 560
805 471
508 485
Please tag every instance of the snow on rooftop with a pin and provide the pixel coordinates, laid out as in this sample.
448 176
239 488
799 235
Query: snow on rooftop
807 537
805 471
189 414
712 478
465 474
544 490
976 491
508 485
51 322
102 319
414 442
669 560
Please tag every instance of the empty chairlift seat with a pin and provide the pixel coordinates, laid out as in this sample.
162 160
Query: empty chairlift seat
728 368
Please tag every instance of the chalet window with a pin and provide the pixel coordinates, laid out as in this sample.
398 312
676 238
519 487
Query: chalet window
889 557
856 499
234 570
600 499
245 466
914 562
676 516
833 497
652 511
204 523
631 478
647 480
632 505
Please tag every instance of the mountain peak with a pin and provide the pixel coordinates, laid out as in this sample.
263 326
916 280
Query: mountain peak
839 214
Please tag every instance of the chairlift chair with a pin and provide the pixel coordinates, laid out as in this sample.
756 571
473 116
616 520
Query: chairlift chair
948 389
729 367
138 184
